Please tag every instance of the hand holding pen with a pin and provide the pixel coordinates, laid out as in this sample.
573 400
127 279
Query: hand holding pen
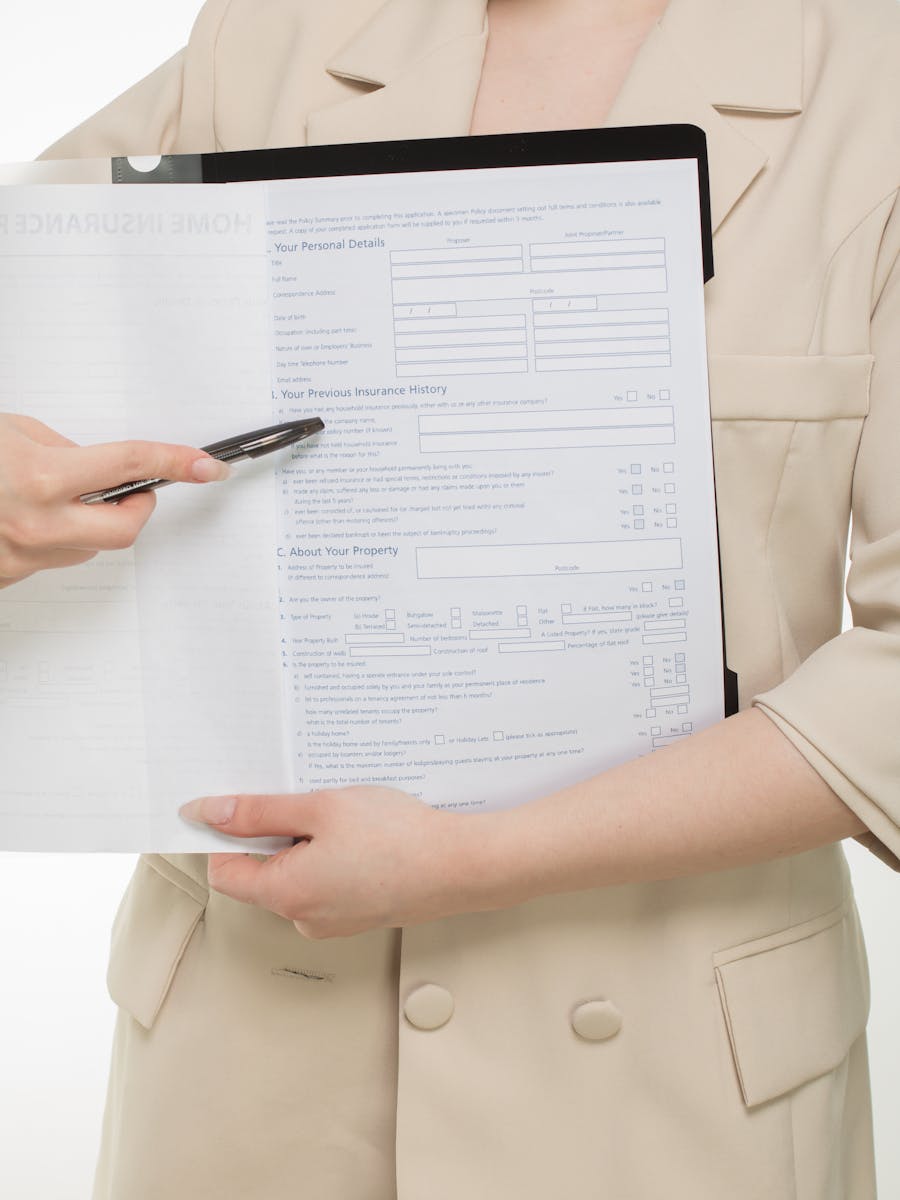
245 445
43 521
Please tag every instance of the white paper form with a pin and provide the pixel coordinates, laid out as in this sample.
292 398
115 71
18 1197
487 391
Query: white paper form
498 567
126 689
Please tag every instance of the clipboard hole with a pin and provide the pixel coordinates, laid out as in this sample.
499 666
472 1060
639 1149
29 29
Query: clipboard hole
145 163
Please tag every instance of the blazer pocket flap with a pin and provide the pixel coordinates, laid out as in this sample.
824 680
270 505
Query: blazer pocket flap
156 918
786 387
794 1002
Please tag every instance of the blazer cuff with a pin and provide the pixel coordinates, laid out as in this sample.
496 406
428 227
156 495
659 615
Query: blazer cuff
841 709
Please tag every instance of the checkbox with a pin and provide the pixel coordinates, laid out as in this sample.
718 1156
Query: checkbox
651 712
671 508
682 708
679 658
638 523
681 678
498 735
631 397
567 608
648 659
669 488
638 510
439 739
668 467
637 489
687 726
671 522
655 730
676 602
646 586
679 585
664 393
635 468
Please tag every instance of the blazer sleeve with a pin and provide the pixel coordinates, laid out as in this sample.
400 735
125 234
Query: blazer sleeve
143 120
168 112
841 707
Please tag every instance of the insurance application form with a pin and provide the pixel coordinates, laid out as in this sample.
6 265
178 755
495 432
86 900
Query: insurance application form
493 574
498 570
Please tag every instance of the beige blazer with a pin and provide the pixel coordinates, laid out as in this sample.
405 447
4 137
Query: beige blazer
694 1039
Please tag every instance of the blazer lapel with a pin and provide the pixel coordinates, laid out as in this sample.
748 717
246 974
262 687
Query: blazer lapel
418 64
423 61
705 61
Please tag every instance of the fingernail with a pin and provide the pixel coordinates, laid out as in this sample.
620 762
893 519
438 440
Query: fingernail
212 810
210 470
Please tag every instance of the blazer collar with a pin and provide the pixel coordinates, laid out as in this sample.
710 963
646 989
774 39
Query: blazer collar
421 60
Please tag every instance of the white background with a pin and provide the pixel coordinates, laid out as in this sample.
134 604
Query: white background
59 62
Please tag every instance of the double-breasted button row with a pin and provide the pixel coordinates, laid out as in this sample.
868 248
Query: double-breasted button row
431 1006
428 1007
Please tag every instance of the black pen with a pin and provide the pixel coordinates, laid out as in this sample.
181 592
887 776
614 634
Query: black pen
245 445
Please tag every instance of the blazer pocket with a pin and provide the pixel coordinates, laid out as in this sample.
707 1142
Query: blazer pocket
783 387
794 1002
786 432
157 917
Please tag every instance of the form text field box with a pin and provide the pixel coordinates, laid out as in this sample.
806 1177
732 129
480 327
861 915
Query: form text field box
596 262
627 281
549 419
461 270
428 338
547 439
499 634
671 694
547 429
565 304
548 558
531 647
473 354
617 618
455 254
374 639
504 366
416 651
457 324
603 362
559 315
598 246
582 348
409 312
587 330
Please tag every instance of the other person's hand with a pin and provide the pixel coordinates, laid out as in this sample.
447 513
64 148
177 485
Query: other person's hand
42 521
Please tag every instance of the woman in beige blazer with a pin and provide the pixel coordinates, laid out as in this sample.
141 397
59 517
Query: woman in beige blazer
651 985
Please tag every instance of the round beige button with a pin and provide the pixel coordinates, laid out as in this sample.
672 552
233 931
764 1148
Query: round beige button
428 1007
596 1020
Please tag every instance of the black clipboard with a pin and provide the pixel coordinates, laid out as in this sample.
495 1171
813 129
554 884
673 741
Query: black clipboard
643 143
